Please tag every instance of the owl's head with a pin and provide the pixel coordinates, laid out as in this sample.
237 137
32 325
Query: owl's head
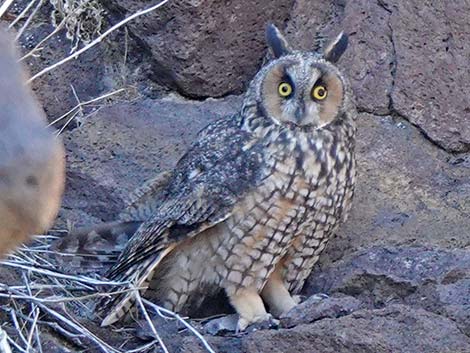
301 89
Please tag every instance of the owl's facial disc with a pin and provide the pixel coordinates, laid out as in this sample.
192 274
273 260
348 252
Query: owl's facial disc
302 94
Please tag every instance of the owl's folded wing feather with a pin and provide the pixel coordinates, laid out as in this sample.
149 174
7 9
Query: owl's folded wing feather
202 191
146 198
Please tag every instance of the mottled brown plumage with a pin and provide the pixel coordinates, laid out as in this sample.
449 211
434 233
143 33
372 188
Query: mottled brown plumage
249 208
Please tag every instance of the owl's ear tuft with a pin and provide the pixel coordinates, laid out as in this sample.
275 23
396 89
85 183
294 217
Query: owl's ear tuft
336 48
276 41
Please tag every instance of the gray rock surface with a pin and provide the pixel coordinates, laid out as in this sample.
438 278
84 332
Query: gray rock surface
314 309
436 280
393 329
431 79
409 192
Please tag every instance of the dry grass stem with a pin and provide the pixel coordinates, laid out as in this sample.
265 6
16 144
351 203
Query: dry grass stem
149 321
160 310
5 6
48 299
28 21
78 109
97 40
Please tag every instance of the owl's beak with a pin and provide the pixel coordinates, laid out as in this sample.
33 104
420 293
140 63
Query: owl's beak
300 113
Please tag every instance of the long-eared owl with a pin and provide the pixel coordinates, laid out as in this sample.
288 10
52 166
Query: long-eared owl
251 205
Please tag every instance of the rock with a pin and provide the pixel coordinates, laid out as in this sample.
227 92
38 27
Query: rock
397 328
431 78
125 144
404 266
408 192
205 48
314 309
385 330
221 325
447 299
218 344
436 280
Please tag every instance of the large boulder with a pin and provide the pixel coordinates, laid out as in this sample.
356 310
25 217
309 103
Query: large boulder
205 48
435 280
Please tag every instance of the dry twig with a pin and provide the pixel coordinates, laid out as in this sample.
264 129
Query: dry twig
5 7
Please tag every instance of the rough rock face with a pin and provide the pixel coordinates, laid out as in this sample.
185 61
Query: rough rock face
432 79
206 48
408 193
396 328
383 330
436 280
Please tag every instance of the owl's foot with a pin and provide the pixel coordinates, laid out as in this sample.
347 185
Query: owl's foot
249 307
276 295
258 323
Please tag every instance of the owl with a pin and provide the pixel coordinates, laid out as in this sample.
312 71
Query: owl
252 204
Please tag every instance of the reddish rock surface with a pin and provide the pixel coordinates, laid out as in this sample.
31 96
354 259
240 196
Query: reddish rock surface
206 48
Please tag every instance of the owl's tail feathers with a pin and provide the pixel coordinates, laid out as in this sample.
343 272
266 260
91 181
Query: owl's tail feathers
93 249
122 298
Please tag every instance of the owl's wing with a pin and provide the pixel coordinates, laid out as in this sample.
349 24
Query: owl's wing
146 198
202 191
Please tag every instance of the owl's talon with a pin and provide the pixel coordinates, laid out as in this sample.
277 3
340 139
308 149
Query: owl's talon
298 298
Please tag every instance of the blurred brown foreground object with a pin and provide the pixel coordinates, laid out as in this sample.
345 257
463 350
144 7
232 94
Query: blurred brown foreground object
32 164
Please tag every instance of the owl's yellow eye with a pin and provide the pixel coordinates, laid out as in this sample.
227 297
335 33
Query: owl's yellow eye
285 89
319 92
